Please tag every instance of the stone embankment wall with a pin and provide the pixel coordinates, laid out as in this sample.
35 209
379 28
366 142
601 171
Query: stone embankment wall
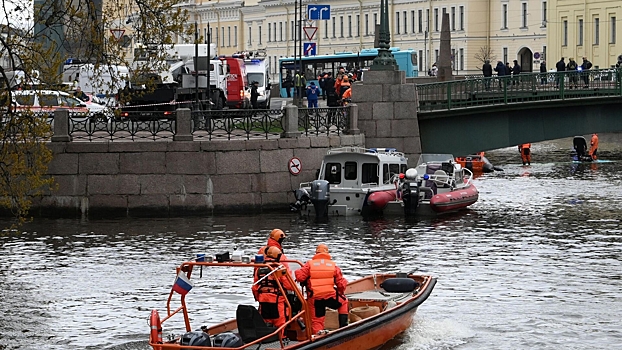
181 177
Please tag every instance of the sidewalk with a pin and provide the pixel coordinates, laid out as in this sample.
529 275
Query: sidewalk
280 102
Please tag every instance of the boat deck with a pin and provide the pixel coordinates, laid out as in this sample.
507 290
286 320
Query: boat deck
377 295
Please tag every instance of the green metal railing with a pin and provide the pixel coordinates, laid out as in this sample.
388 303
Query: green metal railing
528 87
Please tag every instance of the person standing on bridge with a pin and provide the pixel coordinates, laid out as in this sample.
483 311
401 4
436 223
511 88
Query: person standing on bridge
515 72
487 71
525 153
561 67
312 95
542 73
500 69
572 75
594 146
585 66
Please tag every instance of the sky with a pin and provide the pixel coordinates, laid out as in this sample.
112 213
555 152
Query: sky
13 11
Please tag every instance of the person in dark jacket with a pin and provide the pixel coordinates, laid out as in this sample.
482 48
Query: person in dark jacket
561 67
254 95
572 67
585 66
543 70
508 69
487 71
515 72
500 69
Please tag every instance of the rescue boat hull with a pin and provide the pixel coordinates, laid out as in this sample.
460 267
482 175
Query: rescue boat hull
378 200
454 200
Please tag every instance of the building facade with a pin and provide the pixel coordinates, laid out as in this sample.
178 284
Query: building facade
507 29
586 28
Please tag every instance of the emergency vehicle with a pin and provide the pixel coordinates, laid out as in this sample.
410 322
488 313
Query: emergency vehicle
258 69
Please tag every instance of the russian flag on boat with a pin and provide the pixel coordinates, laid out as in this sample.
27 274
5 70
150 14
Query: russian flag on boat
182 284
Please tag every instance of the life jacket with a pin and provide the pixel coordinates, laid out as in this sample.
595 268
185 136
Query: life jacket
267 285
321 276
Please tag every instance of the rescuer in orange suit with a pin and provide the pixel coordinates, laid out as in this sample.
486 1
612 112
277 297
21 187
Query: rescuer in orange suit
275 239
525 153
326 287
594 146
267 293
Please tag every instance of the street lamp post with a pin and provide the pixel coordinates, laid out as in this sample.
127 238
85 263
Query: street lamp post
385 60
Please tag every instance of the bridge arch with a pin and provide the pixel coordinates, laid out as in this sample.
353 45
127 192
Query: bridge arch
525 59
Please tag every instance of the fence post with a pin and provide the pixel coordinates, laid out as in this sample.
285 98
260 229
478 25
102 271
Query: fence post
353 124
61 126
183 125
290 122
449 95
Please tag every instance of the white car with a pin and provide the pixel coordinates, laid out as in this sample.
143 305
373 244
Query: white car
47 101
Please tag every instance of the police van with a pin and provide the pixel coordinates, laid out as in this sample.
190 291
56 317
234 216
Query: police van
258 69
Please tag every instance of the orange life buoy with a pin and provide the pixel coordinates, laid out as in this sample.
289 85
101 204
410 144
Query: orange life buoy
156 327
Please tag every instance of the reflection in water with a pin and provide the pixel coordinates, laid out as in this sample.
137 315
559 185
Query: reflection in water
535 263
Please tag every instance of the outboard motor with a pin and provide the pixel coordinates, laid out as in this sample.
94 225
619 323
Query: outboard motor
302 200
410 192
580 147
228 340
320 197
197 338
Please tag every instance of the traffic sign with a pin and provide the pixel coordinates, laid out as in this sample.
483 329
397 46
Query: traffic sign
310 49
536 55
310 32
295 166
318 12
117 33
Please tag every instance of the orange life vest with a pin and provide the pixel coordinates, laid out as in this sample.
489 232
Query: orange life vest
321 276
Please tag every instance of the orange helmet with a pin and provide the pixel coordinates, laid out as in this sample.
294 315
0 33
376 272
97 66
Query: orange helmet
321 248
273 253
277 235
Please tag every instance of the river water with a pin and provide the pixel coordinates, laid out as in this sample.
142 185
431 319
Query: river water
536 263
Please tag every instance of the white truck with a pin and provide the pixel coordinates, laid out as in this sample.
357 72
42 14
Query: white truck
258 69
187 51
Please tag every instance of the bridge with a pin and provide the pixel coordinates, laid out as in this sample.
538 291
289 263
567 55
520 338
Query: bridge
479 114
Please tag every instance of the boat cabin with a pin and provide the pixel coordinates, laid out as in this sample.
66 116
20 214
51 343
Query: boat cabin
360 167
443 174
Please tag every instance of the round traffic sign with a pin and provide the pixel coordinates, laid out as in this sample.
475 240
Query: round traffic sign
536 55
295 166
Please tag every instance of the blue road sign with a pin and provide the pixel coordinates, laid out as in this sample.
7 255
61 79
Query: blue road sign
310 49
318 12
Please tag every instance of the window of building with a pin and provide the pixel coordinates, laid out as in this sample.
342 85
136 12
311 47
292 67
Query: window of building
269 32
349 26
405 22
358 25
461 17
397 22
427 20
229 36
334 27
543 57
325 29
292 33
366 24
505 55
412 21
543 14
420 58
280 31
341 26
565 33
274 25
436 55
436 20
235 36
461 59
222 41
504 17
524 15
612 35
420 20
596 31
250 35
453 18
375 21
580 33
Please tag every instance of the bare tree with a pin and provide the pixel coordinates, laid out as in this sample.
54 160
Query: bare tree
485 53
35 42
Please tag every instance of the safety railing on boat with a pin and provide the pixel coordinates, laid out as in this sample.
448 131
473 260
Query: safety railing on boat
479 91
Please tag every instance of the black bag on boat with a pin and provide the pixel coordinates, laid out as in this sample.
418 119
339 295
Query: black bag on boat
399 285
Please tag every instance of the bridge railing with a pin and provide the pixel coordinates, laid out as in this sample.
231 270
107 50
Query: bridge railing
525 87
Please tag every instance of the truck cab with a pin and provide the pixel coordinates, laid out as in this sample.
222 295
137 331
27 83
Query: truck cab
237 83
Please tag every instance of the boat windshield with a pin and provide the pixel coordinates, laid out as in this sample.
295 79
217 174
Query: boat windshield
429 157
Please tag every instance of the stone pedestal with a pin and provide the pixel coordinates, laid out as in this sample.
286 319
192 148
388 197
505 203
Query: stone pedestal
387 112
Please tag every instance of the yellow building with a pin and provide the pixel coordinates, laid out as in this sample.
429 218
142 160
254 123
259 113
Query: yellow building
512 30
586 28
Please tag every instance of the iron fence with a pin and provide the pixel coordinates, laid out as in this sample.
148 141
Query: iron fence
330 120
241 123
480 91
135 126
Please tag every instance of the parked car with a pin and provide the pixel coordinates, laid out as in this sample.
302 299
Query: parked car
48 101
